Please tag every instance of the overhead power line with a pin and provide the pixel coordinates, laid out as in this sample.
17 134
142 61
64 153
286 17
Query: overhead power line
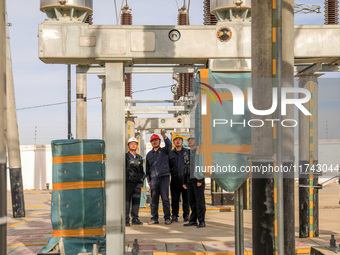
306 8
88 99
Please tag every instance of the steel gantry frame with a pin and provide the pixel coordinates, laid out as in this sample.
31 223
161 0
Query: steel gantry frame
120 49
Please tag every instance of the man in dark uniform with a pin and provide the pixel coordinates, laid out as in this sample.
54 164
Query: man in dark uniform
176 163
158 174
134 181
195 188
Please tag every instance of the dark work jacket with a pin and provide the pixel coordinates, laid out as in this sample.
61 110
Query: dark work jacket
176 163
189 168
157 162
134 168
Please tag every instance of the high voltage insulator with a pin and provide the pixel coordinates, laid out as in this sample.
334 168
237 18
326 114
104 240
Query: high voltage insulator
126 19
209 19
183 18
331 12
89 19
184 79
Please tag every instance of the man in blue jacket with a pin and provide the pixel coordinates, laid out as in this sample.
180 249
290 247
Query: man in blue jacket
176 163
158 174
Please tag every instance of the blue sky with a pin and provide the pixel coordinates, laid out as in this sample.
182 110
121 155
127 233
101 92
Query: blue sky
37 83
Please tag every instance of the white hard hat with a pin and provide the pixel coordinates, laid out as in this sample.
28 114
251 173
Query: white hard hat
191 137
132 139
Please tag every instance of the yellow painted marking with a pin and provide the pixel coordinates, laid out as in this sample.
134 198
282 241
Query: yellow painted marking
33 207
274 66
303 251
18 223
208 209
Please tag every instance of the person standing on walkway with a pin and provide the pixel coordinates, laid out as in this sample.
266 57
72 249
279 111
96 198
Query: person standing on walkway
176 163
134 181
158 174
195 188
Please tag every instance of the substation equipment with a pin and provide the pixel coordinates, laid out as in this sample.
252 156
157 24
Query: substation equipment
112 51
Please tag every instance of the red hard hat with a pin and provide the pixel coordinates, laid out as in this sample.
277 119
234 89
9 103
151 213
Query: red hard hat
153 137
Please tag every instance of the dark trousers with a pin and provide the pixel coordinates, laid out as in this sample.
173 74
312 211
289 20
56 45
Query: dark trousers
160 187
197 201
176 187
133 192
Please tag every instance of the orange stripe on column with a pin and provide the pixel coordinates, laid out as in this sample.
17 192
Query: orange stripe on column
79 158
78 185
78 232
204 73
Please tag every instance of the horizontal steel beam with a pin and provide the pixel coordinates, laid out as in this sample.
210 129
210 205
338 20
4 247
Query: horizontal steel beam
310 69
84 44
157 109
164 123
215 65
131 101
142 69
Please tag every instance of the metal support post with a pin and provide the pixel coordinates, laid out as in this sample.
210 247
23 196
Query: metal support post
69 101
115 165
13 146
3 178
262 138
239 231
142 143
306 214
81 106
102 77
278 200
288 133
129 128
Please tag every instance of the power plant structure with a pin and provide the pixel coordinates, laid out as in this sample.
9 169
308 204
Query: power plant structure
255 39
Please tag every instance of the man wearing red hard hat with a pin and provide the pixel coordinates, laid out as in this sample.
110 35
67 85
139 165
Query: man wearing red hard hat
158 174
